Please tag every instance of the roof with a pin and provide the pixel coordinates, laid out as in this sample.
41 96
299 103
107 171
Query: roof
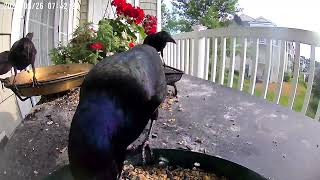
245 20
245 17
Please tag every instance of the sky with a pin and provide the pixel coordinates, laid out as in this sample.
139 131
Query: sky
301 14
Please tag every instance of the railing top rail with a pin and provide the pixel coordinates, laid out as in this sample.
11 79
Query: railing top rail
275 33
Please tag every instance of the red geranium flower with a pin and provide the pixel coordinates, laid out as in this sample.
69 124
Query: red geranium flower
96 46
131 44
126 9
150 24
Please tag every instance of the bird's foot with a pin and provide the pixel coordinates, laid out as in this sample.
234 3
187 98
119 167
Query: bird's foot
2 81
35 83
146 153
15 86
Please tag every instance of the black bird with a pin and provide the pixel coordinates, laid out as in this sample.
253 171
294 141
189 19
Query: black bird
159 40
22 54
117 99
5 66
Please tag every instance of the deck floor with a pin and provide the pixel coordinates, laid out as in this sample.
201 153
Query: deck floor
269 139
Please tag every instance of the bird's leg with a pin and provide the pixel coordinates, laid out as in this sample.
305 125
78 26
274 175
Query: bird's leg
146 148
34 80
164 64
2 83
175 90
14 79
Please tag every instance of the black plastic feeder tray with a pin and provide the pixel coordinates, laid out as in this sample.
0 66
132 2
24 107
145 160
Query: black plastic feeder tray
184 159
173 75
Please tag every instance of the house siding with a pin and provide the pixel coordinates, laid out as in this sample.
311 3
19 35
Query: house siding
149 6
44 24
10 115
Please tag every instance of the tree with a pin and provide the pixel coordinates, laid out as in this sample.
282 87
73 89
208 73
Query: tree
171 22
211 13
316 82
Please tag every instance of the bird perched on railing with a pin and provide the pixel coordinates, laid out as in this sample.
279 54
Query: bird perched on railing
159 40
20 56
117 99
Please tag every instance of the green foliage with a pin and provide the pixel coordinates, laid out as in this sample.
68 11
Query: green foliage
210 13
287 77
105 35
60 55
316 82
114 35
172 22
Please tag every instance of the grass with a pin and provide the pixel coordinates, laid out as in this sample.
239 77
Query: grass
285 94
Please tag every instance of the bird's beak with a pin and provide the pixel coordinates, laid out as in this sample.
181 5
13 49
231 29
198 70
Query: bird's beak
172 40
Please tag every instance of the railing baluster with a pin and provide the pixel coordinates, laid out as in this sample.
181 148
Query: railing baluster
174 55
187 57
296 75
192 50
223 59
166 54
199 56
171 54
178 54
243 64
254 67
317 117
283 57
207 58
310 79
267 68
214 59
232 62
182 44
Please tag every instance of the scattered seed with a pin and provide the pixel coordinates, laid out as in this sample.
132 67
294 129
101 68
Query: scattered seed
172 120
154 135
196 164
180 109
50 122
198 140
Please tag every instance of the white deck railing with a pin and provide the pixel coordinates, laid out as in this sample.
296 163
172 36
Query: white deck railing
197 53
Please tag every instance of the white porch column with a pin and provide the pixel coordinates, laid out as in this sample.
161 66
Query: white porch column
159 15
199 52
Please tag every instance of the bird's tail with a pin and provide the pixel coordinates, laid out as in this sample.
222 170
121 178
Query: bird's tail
29 35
